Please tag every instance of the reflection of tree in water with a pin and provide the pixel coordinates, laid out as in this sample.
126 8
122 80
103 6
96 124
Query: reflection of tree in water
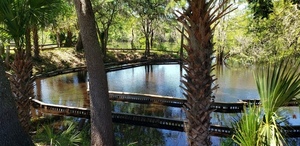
141 109
224 119
82 81
137 135
82 76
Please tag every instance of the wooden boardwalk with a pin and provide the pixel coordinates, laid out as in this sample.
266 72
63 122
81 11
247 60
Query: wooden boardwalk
222 107
148 121
156 122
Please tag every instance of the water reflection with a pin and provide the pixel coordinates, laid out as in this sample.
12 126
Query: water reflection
68 89
235 84
137 135
149 110
162 80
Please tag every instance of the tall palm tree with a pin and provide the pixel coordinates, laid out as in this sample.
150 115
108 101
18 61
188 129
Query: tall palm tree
17 17
11 132
199 21
13 16
22 86
277 84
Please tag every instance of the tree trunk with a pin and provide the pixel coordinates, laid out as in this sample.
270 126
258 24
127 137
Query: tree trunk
197 20
132 39
181 44
68 42
11 132
147 50
151 38
1 49
22 86
7 54
58 40
28 42
220 56
104 46
79 45
101 120
102 43
36 42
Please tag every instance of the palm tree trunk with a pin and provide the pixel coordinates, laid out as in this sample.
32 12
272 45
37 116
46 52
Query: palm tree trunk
198 82
28 42
11 132
36 42
22 86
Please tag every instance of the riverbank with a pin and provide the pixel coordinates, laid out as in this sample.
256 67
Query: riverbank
62 58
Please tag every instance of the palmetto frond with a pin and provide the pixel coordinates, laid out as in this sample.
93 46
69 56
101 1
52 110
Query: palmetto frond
277 84
246 129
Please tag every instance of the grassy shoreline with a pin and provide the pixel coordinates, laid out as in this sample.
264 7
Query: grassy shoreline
62 58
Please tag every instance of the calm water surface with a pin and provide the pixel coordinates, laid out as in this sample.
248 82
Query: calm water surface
70 89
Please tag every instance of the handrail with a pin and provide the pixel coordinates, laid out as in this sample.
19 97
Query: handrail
223 107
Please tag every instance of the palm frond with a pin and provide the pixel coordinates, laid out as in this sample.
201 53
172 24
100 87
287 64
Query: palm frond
277 85
247 128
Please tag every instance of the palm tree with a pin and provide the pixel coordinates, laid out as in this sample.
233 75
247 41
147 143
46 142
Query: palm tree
199 21
277 85
17 17
13 16
11 132
43 12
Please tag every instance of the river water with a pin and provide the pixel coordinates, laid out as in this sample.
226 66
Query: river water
234 84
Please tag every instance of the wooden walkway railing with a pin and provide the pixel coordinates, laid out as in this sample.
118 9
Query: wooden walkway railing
149 121
223 107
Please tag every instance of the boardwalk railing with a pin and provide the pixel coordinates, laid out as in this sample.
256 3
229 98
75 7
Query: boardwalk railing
223 107
149 121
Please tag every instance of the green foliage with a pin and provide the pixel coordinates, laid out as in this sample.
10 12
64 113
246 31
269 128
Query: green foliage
50 135
277 85
246 129
18 15
250 41
261 8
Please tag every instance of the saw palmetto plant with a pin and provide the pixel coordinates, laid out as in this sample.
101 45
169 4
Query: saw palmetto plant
277 84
